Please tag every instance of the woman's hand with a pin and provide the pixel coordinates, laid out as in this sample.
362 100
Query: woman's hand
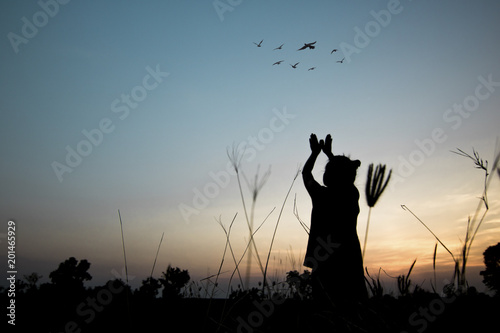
327 147
316 146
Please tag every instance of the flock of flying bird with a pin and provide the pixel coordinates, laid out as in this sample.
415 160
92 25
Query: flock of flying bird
310 46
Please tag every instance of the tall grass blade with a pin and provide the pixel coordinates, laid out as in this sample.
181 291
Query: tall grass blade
126 267
237 264
366 233
156 257
474 224
236 269
434 286
433 234
123 244
409 272
235 159
296 213
228 244
276 228
254 188
434 257
375 286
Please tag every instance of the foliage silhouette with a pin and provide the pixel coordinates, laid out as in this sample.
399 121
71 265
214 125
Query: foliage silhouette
32 280
106 308
404 282
173 280
71 274
299 285
491 275
149 289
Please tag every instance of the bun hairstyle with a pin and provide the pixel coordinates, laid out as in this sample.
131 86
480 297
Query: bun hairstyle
340 170
342 161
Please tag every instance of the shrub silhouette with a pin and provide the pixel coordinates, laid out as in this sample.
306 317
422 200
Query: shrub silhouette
491 275
173 280
299 285
71 274
149 288
32 280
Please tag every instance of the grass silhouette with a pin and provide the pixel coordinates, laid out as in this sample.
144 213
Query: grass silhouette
473 224
374 188
197 306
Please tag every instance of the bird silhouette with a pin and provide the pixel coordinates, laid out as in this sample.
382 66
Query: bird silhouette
341 61
334 50
258 45
307 45
294 66
312 68
278 62
279 47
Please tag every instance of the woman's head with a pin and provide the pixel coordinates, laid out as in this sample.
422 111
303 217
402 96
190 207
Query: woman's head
340 170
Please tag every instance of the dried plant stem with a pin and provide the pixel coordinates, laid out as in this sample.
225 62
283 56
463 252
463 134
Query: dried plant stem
264 284
433 234
235 159
255 188
126 268
434 267
296 213
476 222
404 282
366 233
236 269
156 257
228 244
250 254
473 224
123 244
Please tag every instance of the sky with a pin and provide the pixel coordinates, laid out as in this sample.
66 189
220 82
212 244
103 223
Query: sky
132 106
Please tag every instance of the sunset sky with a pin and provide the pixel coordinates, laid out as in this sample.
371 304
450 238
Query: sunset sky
133 106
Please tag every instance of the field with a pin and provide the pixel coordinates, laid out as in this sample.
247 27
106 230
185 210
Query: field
418 312
173 301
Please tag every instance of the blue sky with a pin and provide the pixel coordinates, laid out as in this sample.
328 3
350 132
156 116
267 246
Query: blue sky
404 78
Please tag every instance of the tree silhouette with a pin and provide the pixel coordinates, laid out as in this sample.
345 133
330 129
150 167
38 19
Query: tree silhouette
300 285
149 288
32 280
71 274
173 280
491 275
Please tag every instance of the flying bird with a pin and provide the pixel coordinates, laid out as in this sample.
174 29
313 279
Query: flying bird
334 50
258 45
312 68
341 61
278 62
307 45
279 47
294 66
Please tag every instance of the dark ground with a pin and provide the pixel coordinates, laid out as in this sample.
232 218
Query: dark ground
426 312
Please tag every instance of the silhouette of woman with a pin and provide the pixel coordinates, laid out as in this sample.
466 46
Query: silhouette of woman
333 250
